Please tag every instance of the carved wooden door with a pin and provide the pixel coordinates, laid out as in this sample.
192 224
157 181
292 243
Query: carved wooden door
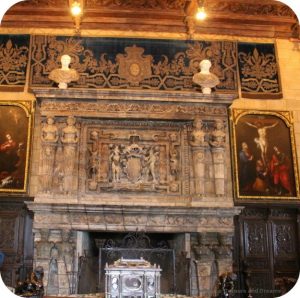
268 258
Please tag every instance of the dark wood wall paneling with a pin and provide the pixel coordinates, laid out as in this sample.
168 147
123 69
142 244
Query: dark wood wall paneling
16 240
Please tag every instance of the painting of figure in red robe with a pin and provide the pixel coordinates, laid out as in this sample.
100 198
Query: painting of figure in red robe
14 143
265 161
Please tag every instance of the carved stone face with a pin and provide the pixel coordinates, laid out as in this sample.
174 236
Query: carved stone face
197 123
219 124
50 120
71 121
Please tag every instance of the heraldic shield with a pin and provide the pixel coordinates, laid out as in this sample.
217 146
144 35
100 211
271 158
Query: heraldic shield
133 66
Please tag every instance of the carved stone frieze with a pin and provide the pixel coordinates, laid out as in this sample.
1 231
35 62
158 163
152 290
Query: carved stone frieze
108 218
100 108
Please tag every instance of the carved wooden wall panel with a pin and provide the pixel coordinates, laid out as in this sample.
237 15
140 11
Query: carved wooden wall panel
269 256
15 241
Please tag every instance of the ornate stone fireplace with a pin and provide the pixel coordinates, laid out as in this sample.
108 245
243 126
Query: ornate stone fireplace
120 162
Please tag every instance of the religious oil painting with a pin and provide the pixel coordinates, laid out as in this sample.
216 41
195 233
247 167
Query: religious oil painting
264 155
15 126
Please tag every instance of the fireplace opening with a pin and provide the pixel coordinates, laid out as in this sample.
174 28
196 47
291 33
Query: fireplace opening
164 249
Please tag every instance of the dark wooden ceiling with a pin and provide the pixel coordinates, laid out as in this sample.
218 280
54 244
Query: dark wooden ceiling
256 18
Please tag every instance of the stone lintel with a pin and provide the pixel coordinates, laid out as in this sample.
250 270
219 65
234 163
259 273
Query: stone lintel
126 218
134 95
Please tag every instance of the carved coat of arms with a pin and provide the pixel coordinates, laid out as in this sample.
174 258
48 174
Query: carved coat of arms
133 66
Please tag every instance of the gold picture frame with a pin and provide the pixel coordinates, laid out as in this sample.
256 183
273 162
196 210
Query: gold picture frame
264 155
15 141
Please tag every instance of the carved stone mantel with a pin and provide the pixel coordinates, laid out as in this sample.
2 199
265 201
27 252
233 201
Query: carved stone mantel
134 95
124 160
129 218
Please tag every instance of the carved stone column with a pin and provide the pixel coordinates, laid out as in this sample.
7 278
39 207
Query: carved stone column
217 143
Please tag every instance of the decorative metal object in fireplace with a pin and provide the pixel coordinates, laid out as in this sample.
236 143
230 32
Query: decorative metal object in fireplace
132 278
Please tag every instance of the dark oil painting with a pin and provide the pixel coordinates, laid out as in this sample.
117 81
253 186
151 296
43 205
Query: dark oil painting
264 157
14 143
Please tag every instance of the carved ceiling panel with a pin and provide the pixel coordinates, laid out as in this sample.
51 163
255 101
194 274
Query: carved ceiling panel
266 18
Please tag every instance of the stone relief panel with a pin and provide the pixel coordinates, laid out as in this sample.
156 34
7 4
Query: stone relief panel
139 156
89 155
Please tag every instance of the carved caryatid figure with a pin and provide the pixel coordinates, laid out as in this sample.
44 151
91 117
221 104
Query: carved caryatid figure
70 134
69 138
197 136
49 139
198 143
217 143
218 136
50 131
64 75
205 78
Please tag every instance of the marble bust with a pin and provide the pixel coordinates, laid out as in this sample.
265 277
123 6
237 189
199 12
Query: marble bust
205 78
64 75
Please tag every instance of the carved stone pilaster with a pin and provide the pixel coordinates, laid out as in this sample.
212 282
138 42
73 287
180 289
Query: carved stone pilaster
199 145
49 138
55 252
69 139
205 260
224 253
217 143
219 170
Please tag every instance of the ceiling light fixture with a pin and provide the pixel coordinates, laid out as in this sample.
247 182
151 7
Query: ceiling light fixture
201 13
76 9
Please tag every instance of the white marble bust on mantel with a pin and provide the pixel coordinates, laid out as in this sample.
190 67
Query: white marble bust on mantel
64 75
205 78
